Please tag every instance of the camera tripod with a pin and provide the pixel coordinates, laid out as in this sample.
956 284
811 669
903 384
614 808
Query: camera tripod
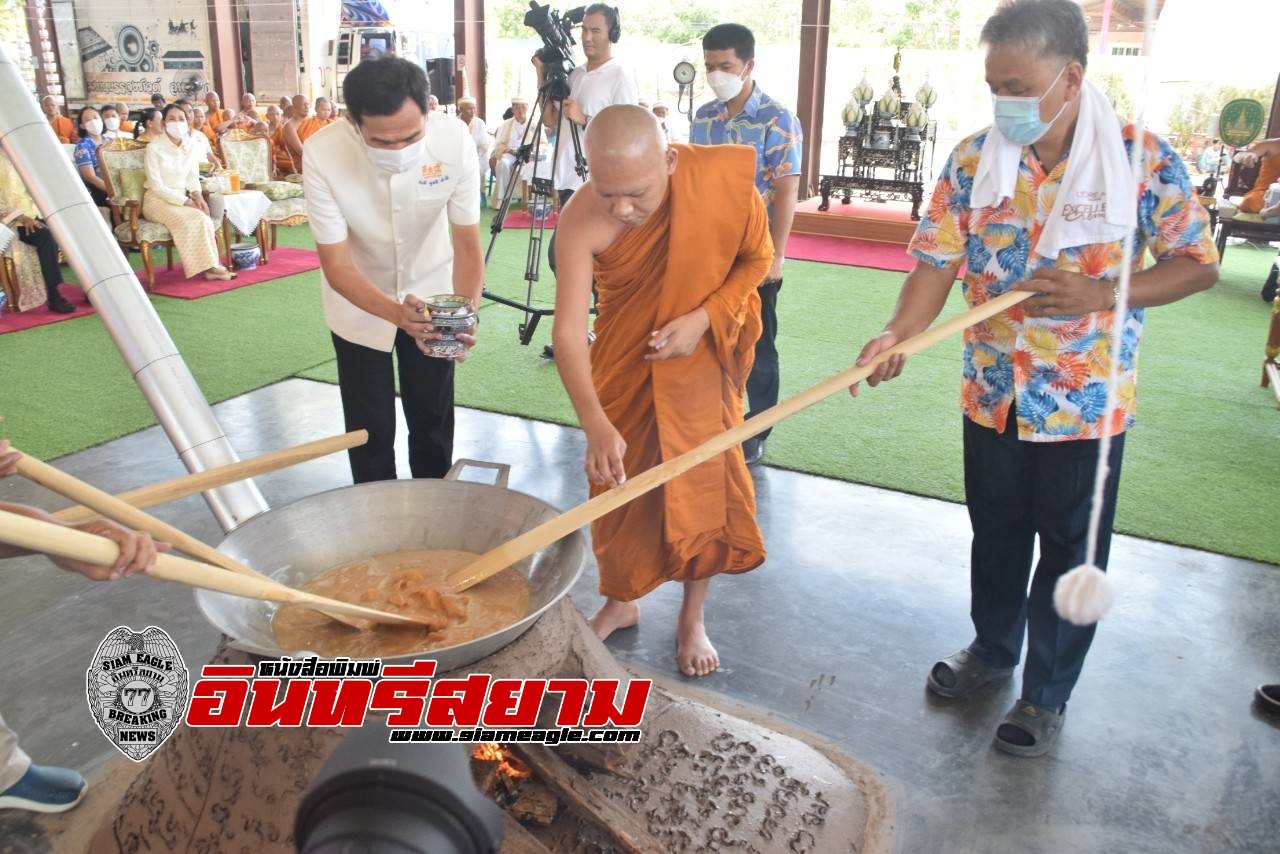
552 92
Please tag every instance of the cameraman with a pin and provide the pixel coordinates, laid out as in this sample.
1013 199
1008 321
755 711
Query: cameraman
601 83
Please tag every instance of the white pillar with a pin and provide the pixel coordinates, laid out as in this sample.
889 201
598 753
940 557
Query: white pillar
113 288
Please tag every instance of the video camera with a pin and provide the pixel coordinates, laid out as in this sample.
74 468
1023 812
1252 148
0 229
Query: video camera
556 32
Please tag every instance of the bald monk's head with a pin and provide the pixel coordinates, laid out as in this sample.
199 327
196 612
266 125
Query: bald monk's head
631 162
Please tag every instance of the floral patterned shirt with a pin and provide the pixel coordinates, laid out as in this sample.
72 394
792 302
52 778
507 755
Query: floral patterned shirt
1055 367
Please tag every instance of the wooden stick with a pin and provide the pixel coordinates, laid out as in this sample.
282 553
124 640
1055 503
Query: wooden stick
497 559
49 538
181 487
586 801
126 514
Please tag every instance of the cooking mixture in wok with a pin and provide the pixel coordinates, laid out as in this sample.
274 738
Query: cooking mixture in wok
404 582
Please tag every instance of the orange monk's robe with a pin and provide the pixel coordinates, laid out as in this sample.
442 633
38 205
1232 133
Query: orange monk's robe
708 245
215 144
282 160
1268 174
64 130
310 125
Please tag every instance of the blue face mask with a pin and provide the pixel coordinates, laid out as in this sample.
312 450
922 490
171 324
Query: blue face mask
1018 118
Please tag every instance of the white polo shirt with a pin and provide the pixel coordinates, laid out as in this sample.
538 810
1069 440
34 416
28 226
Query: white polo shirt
592 91
397 226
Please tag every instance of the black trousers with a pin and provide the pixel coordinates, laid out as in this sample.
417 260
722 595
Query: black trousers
564 196
367 385
762 385
1017 491
41 239
99 197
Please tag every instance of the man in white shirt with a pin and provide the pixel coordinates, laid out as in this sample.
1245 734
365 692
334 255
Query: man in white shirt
601 83
479 133
393 198
507 142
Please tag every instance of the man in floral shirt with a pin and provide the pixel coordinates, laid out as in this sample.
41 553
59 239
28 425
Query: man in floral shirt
1034 387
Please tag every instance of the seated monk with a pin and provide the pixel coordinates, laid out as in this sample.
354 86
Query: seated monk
283 161
290 137
676 269
1269 172
299 129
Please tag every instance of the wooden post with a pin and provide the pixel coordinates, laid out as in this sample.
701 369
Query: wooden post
815 24
1273 126
468 46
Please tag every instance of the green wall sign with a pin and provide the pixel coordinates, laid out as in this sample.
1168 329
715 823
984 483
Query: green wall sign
1240 122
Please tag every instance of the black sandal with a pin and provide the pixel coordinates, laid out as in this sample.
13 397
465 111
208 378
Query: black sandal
1030 729
1268 698
962 673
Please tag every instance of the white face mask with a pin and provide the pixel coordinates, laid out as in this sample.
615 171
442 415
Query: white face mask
176 130
113 122
397 160
725 85
94 127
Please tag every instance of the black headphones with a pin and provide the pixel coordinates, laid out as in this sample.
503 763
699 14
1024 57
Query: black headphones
615 28
612 16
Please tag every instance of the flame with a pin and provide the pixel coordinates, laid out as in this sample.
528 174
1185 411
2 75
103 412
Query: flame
508 765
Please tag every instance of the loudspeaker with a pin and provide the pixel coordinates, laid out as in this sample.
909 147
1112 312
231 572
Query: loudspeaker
440 76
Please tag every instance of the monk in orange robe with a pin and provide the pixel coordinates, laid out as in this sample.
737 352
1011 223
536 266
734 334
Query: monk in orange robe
1268 174
303 125
62 126
677 239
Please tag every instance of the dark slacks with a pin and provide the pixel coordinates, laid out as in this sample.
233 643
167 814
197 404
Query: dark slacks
1017 491
367 385
762 385
41 239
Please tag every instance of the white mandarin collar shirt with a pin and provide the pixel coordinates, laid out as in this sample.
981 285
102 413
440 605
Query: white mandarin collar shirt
397 226
172 170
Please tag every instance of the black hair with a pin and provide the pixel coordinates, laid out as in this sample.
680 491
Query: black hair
156 95
169 108
1050 27
610 14
80 119
145 115
733 37
379 85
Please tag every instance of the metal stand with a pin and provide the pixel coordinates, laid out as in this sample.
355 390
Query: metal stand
553 92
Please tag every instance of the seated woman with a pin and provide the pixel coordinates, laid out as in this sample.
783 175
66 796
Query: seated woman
19 212
150 126
86 154
110 122
173 197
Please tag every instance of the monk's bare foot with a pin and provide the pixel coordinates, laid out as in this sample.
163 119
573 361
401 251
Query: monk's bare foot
614 615
694 653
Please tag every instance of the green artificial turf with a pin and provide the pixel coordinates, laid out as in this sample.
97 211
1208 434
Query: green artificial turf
1200 467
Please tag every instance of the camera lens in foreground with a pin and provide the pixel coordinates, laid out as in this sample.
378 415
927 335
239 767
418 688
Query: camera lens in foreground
373 796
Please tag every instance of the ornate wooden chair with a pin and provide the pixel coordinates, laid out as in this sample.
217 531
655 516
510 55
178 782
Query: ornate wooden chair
122 165
249 154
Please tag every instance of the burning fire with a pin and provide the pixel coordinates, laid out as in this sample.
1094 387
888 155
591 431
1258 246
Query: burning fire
508 764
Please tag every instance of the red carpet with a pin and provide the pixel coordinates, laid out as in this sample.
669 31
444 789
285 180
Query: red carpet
895 211
850 252
853 253
284 262
522 219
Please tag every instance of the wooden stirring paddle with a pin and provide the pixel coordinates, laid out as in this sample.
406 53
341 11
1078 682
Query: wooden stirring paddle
126 514
69 543
190 484
497 559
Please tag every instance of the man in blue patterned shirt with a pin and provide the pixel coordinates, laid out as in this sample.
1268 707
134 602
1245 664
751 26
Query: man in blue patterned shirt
743 114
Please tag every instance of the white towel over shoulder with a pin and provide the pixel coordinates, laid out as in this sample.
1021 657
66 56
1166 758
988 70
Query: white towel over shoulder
1093 203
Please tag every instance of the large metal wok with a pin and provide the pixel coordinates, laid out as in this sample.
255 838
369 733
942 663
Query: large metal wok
294 543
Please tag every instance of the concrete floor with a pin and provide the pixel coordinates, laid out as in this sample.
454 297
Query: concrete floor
863 590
